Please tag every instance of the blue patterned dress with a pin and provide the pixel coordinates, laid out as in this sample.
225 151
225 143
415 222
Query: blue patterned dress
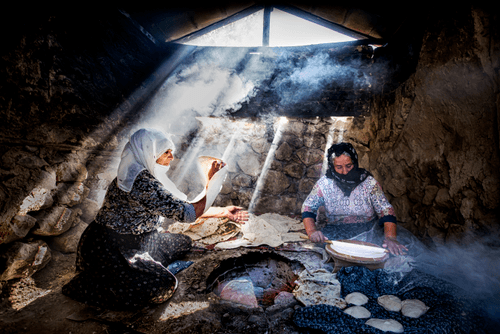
122 257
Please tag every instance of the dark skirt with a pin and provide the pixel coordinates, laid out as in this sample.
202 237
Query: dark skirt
123 271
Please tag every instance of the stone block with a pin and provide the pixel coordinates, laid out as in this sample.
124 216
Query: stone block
275 182
295 128
310 156
250 165
430 194
55 221
24 259
89 209
314 140
242 180
71 194
40 195
68 241
295 170
284 152
294 141
314 171
71 171
395 187
442 198
261 145
306 185
17 229
277 204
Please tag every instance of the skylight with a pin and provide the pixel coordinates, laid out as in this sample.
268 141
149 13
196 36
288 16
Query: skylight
285 29
290 30
244 32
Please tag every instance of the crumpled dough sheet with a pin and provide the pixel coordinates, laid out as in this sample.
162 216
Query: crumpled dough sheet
268 229
319 287
256 231
207 231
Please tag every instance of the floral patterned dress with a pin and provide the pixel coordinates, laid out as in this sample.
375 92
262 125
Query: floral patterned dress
122 256
349 215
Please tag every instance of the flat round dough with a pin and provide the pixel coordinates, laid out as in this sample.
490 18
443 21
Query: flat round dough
358 312
386 325
390 303
356 298
413 308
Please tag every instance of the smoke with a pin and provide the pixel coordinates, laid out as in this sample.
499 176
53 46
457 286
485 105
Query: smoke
212 82
218 81
309 76
473 267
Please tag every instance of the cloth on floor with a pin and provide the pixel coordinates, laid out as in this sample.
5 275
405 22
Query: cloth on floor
451 309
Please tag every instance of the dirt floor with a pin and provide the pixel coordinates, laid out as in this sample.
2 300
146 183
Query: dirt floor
190 310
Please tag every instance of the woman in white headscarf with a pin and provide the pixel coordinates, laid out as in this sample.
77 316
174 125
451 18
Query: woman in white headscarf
123 256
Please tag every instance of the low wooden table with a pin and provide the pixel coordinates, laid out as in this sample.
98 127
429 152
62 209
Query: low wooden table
343 260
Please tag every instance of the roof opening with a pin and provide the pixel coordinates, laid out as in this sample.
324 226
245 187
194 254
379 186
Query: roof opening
290 30
270 27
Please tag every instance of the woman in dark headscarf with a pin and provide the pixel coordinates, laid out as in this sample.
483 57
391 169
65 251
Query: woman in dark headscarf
123 256
353 200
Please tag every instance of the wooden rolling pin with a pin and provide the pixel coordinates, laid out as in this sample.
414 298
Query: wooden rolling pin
327 241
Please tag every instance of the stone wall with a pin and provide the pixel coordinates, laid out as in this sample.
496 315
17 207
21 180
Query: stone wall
64 73
436 137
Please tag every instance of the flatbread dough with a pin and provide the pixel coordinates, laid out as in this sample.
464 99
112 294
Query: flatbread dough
413 308
386 325
390 303
358 312
356 298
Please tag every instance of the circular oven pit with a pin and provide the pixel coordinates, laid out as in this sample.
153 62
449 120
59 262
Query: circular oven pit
254 279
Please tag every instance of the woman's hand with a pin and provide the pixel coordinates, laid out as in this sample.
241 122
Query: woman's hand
216 166
394 247
318 237
235 213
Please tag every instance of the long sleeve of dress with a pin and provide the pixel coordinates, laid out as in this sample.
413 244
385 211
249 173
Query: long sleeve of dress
144 208
381 205
313 202
151 194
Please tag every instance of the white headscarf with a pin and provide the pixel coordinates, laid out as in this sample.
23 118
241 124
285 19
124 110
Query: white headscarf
141 152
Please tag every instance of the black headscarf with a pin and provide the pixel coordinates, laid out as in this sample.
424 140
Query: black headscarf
351 180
